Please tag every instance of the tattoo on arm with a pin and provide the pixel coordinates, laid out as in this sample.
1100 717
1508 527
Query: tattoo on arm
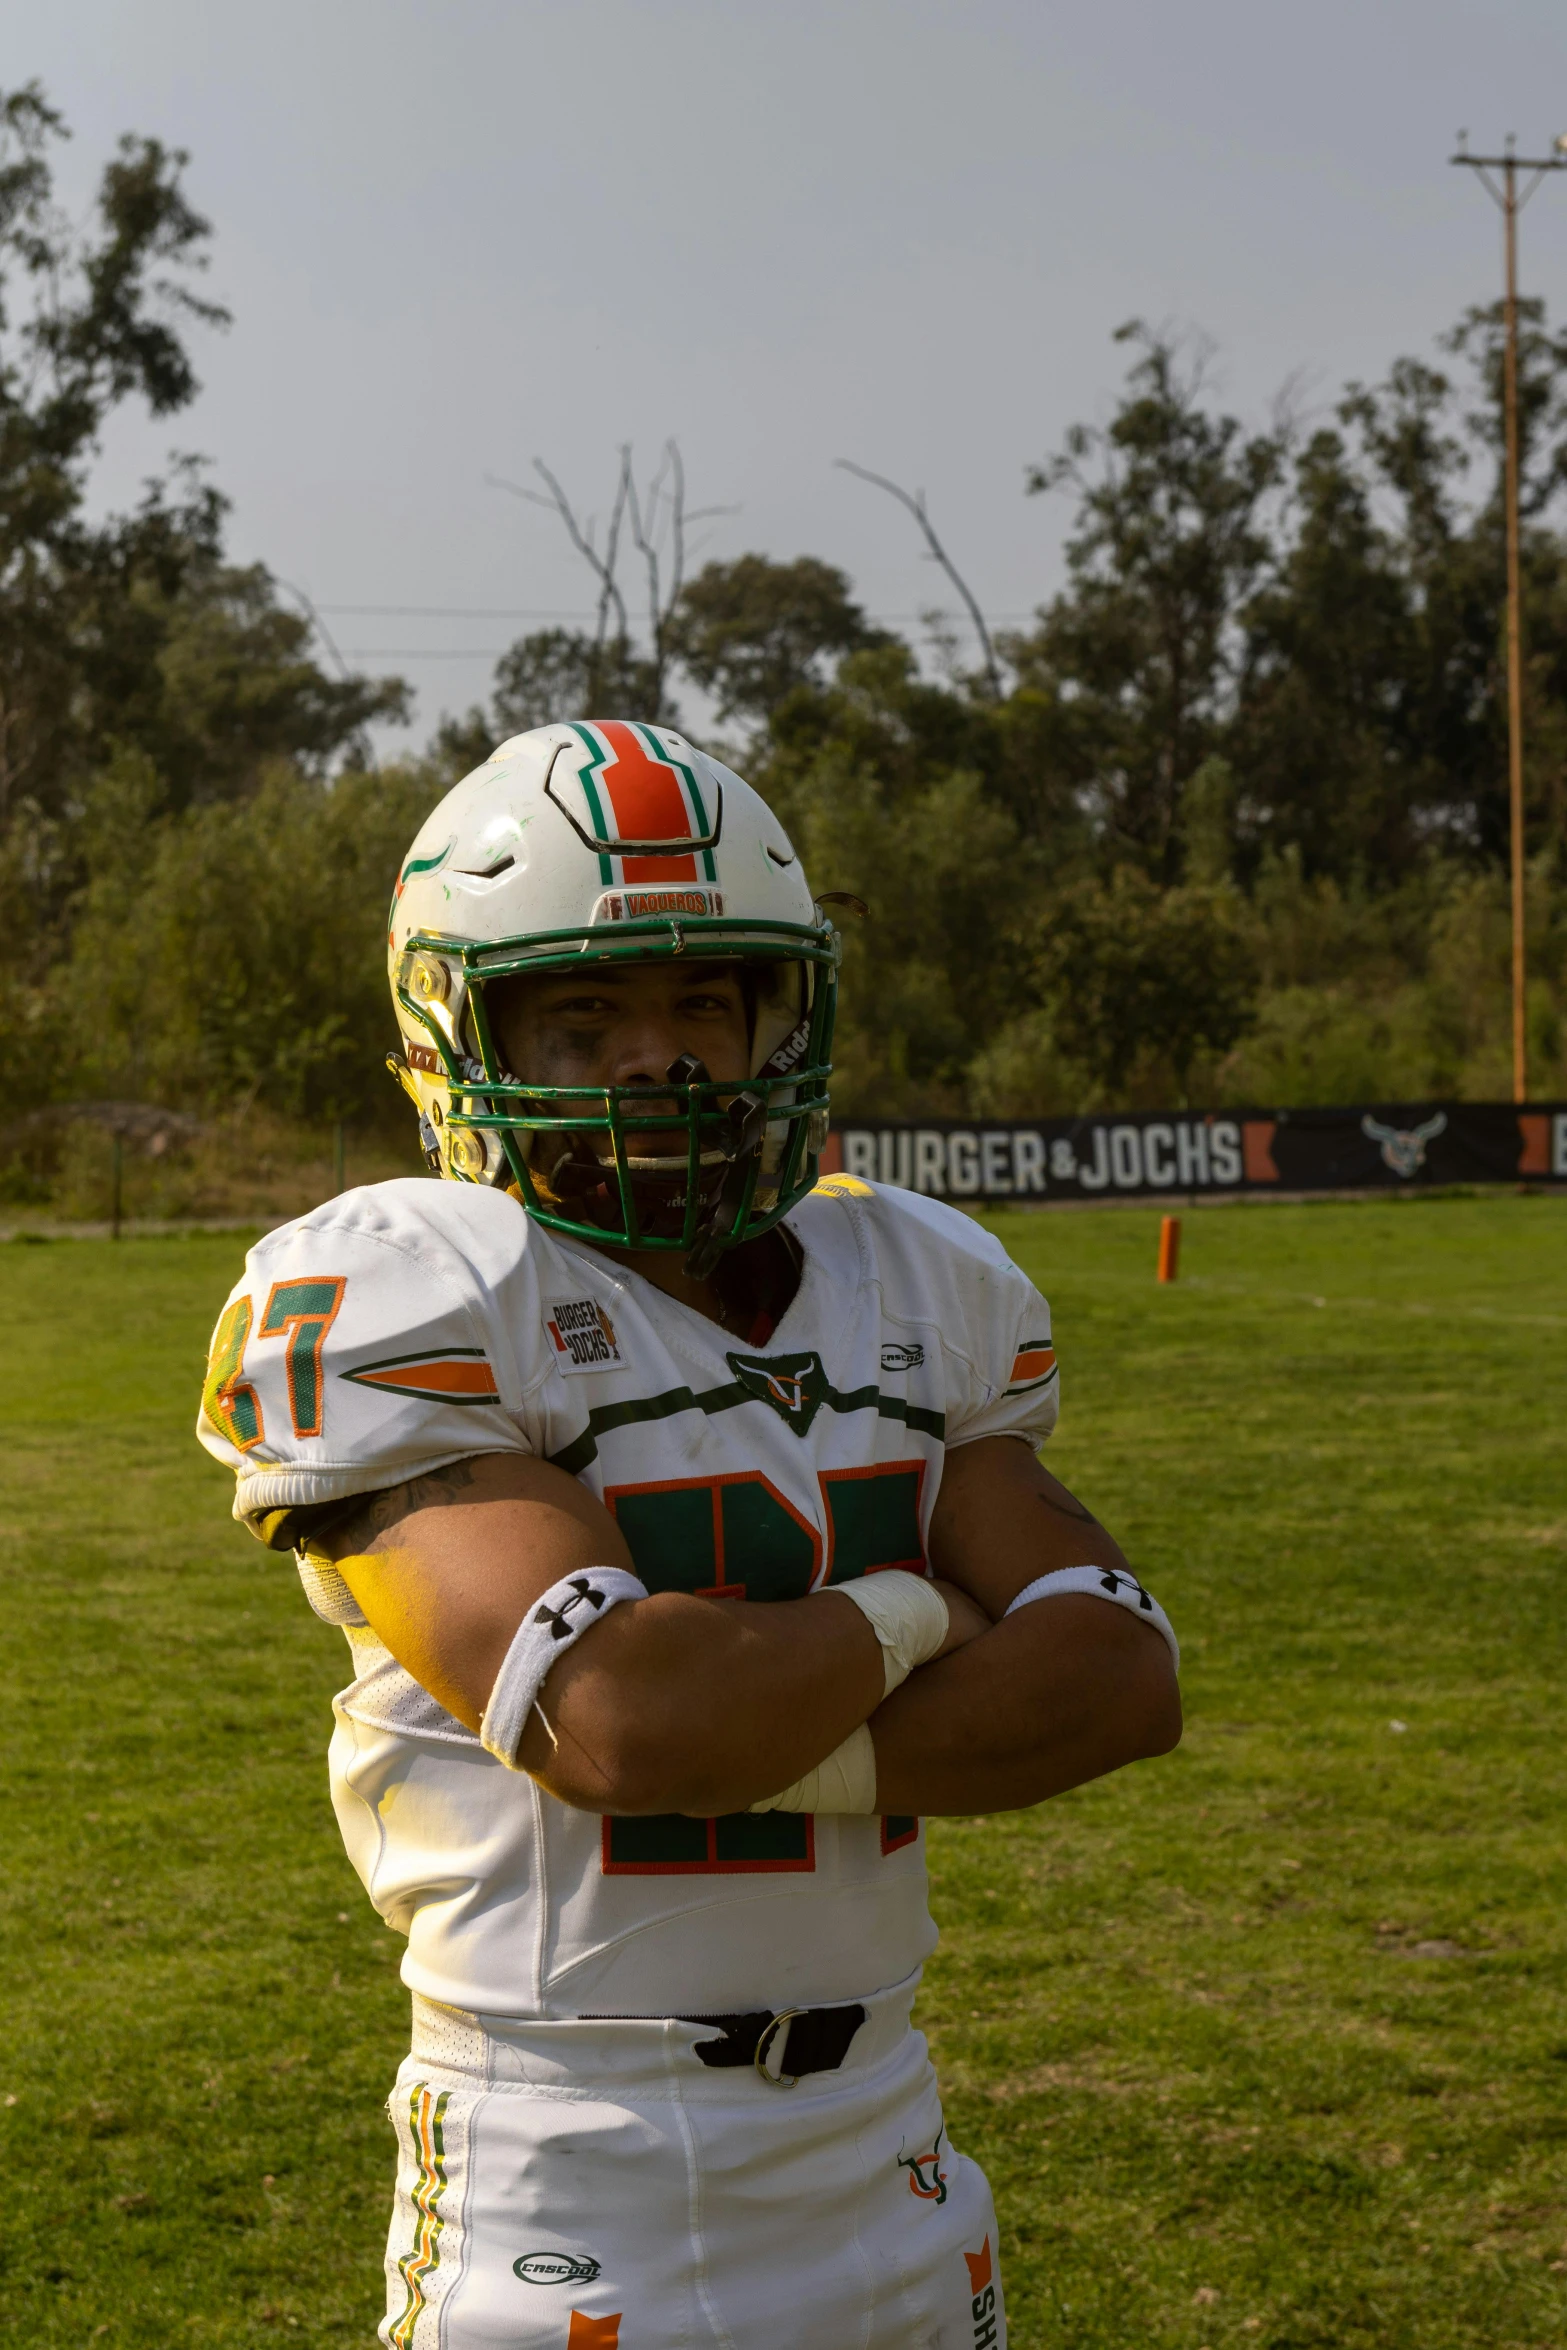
361 1530
1067 1505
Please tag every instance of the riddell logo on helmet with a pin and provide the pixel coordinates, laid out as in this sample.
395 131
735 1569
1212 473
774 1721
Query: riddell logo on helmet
635 905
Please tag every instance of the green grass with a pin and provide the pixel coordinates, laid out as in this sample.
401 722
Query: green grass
1265 2043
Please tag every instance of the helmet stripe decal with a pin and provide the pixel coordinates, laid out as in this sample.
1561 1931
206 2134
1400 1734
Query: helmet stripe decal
651 796
644 789
645 794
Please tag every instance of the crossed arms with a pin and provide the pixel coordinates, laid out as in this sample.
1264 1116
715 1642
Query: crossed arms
705 1705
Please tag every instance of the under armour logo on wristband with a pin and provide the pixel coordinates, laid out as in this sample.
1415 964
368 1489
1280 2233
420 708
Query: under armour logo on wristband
558 1618
566 1613
1113 1581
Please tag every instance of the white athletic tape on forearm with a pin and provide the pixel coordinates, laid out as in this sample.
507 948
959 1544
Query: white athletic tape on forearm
1112 1583
907 1615
846 1781
552 1625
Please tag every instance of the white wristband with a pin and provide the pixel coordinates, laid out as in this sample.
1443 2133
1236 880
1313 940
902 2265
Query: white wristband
907 1614
845 1782
1112 1583
551 1626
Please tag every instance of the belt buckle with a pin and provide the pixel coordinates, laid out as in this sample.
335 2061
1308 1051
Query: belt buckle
779 2079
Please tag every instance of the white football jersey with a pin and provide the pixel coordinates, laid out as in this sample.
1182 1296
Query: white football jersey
414 1323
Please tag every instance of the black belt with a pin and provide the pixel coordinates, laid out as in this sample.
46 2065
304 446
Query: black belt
814 2040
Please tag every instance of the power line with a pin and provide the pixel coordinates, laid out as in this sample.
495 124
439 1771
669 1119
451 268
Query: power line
542 612
458 611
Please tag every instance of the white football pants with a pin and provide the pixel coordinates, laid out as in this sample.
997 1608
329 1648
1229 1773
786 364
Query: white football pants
594 2186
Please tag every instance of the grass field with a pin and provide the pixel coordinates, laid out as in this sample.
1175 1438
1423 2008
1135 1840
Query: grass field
1262 2044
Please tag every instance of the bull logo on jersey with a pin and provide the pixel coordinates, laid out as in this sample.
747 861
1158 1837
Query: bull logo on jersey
925 2173
795 1386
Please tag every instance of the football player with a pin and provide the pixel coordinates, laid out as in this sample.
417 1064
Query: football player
683 1515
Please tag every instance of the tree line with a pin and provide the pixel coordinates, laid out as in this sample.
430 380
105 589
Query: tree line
1227 822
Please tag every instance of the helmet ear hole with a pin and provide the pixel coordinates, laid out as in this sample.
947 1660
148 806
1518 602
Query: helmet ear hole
466 1153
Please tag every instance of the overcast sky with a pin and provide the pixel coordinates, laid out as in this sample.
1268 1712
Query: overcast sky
455 237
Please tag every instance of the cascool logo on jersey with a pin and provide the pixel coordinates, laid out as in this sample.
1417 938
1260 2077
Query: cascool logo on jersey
556 2268
902 1358
581 1335
794 1385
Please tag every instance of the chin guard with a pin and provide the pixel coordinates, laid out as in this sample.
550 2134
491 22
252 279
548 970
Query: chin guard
747 1117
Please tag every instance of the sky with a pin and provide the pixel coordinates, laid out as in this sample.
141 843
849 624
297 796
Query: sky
457 238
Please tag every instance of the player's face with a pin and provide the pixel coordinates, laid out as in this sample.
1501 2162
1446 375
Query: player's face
623 1027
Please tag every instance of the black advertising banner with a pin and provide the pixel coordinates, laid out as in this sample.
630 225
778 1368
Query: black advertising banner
1149 1155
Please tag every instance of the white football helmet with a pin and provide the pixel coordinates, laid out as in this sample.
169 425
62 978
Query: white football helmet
614 841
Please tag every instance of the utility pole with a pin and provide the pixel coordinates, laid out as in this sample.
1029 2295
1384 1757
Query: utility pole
1511 203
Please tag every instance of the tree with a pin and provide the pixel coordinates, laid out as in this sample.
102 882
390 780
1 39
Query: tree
106 625
554 673
1131 972
927 975
751 632
1321 739
1369 728
238 950
914 503
657 518
1140 651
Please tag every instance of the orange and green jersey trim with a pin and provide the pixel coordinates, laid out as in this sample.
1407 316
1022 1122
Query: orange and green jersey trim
454 1374
1034 1365
426 2115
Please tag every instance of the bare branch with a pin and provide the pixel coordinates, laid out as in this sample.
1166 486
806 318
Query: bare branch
658 520
496 481
362 741
612 556
661 606
602 566
677 519
916 506
645 539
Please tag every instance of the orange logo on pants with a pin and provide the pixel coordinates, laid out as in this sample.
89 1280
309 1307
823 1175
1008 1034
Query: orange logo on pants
982 2306
594 2333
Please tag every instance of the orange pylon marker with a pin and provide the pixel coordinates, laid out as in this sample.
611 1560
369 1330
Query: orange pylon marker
1169 1247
